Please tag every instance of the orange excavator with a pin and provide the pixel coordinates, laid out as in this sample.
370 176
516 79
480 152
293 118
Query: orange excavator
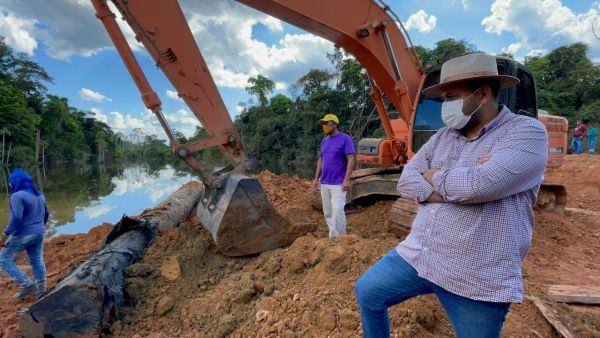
234 207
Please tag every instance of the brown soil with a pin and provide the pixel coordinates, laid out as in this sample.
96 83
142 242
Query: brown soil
184 287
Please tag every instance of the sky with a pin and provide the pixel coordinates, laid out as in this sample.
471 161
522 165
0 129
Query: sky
238 42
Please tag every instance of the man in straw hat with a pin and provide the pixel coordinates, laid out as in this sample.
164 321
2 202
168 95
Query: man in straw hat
476 181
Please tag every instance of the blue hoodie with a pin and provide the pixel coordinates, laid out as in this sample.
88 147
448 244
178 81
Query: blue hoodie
28 210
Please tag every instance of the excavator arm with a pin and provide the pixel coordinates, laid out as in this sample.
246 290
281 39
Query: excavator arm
162 28
234 207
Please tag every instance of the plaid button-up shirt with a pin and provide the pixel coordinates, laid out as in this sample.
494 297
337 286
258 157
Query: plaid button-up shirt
473 244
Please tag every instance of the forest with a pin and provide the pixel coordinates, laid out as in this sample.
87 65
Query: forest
280 129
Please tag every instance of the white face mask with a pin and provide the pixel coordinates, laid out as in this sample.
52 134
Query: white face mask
452 113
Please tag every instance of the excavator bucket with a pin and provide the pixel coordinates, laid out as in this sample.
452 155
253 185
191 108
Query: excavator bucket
552 198
240 217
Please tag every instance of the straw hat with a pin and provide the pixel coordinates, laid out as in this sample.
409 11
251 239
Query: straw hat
475 66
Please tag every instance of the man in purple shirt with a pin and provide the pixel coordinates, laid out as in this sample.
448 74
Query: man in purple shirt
476 181
334 167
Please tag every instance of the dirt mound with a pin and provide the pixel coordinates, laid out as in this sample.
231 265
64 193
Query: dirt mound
183 287
307 288
581 176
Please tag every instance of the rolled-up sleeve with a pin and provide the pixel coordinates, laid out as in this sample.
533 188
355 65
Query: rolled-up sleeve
515 166
412 185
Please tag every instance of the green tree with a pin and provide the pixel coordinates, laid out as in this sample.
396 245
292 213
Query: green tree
450 48
568 82
20 120
315 82
261 87
280 104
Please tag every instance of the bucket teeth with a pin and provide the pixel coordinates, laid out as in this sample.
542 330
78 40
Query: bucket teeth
241 219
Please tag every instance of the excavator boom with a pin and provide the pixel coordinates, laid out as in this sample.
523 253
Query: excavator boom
235 208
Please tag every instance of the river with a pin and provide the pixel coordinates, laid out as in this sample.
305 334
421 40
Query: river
81 197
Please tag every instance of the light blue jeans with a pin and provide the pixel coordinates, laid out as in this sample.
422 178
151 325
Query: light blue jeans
592 144
34 245
392 280
577 145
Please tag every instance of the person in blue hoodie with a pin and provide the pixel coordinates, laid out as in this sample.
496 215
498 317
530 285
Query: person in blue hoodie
25 232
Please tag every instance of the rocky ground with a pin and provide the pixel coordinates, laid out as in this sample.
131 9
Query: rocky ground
184 288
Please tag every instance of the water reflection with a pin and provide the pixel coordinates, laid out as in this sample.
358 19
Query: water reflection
81 197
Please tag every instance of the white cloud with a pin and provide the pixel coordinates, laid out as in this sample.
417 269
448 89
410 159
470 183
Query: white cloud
239 109
67 27
90 95
98 115
513 48
173 95
537 52
421 21
464 3
281 86
155 188
183 121
541 24
16 32
98 210
223 29
232 60
274 24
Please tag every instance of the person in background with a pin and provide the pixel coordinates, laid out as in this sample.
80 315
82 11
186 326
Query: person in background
592 136
334 167
24 232
578 134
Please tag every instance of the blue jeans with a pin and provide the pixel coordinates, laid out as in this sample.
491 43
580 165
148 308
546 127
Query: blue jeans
577 145
34 245
592 144
392 280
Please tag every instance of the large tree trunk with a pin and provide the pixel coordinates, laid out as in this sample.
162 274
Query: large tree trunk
84 302
8 155
2 159
37 147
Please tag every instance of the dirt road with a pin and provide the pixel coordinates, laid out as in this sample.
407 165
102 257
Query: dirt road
184 287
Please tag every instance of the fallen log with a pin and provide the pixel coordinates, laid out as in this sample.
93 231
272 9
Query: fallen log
552 317
574 294
84 302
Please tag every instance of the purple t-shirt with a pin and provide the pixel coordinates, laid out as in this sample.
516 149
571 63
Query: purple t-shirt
333 151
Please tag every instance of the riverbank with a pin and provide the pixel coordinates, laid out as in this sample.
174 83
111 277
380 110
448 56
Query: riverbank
184 287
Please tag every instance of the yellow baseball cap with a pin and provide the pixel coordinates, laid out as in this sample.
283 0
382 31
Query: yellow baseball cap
330 117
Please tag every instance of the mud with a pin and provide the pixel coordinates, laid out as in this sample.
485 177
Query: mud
184 287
